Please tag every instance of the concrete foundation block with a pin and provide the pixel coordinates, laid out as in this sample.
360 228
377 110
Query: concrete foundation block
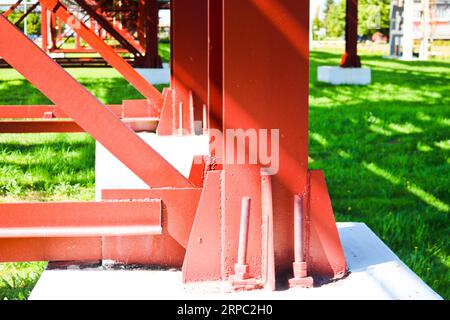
156 76
179 151
349 76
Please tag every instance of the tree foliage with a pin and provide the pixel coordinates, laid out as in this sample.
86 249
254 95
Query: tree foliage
33 22
373 16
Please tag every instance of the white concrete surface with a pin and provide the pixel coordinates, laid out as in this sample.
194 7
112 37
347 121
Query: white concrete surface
338 75
376 273
110 173
156 76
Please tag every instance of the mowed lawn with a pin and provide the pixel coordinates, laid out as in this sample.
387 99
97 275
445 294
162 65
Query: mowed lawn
385 150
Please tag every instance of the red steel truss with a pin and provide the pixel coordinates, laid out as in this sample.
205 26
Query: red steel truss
256 229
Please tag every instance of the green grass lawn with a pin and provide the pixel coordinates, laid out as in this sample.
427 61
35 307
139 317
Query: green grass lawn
385 150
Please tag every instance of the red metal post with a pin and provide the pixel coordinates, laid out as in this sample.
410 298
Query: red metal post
298 228
215 72
44 28
73 230
351 59
299 266
189 42
149 17
241 267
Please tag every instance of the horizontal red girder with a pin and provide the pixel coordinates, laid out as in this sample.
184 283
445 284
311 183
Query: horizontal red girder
179 206
80 219
58 125
129 109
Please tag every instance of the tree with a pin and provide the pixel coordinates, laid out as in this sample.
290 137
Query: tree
335 19
373 15
33 22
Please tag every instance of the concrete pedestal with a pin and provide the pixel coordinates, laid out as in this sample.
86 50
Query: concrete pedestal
349 76
375 273
179 151
156 76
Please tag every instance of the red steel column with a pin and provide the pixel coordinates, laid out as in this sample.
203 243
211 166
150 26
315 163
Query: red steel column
215 68
351 58
44 28
189 42
151 21
266 89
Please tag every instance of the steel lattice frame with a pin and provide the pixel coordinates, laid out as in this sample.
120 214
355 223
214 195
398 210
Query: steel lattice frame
223 77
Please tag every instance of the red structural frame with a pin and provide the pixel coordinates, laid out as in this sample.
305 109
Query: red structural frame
224 78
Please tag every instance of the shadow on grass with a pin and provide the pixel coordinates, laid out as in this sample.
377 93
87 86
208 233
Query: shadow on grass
384 152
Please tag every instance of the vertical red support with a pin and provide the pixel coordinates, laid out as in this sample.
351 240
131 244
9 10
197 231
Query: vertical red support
44 28
351 59
215 56
53 30
254 100
189 42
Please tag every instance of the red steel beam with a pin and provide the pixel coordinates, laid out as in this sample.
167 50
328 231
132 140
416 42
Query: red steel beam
253 100
57 125
80 219
40 111
144 87
149 19
71 231
12 8
80 105
129 109
44 29
350 58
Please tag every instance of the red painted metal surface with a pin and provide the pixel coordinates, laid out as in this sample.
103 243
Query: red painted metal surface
148 21
80 219
71 231
189 52
86 110
324 253
253 100
39 126
179 206
228 87
215 68
141 124
351 59
167 249
205 236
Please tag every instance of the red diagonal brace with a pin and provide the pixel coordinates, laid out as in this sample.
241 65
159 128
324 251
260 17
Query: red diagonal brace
12 8
105 51
80 105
